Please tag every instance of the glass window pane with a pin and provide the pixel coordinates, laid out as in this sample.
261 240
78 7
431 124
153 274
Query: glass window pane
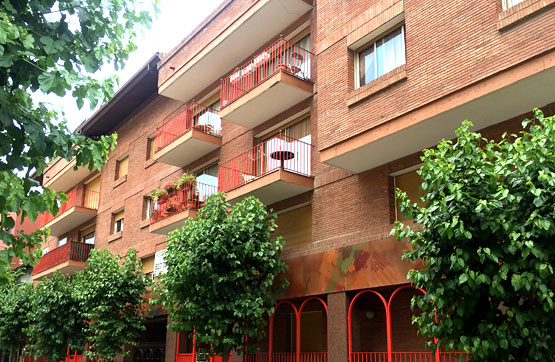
367 65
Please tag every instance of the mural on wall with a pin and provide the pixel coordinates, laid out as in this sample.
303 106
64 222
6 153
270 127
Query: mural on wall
367 265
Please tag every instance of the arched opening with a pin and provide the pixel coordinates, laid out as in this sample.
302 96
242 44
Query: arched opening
147 355
158 355
138 355
407 343
367 327
283 333
313 315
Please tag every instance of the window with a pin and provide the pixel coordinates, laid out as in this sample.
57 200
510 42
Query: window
510 3
148 206
87 235
150 147
118 221
299 130
409 182
62 242
89 238
121 167
381 57
45 251
208 176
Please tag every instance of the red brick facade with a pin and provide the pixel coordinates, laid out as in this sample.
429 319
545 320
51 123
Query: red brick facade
450 47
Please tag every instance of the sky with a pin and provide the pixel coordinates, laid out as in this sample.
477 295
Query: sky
177 18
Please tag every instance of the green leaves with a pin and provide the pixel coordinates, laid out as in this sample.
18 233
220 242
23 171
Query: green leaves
40 50
222 277
486 233
101 306
14 307
110 295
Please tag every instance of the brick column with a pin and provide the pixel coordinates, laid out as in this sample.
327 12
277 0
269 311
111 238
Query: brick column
171 346
235 357
337 327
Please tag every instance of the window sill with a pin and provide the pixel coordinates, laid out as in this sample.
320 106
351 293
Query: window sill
521 11
396 75
150 162
115 236
120 180
144 223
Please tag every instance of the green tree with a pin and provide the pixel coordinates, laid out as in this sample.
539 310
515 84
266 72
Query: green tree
57 320
14 308
54 47
101 306
485 234
110 297
221 276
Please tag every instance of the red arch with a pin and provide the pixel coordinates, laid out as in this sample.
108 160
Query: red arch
271 327
395 292
350 333
298 342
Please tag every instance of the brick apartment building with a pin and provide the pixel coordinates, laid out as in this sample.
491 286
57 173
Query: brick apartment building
320 109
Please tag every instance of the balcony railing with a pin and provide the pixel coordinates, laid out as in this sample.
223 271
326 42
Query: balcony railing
72 250
409 357
287 357
280 56
280 152
194 116
191 195
76 197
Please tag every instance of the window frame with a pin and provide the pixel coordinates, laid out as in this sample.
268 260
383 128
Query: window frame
118 163
507 4
61 242
150 147
118 225
373 42
84 238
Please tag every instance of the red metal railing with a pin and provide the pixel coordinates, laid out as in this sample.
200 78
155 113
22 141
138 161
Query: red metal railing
369 356
288 357
88 199
256 357
409 357
314 356
284 357
72 250
279 152
194 116
191 195
280 56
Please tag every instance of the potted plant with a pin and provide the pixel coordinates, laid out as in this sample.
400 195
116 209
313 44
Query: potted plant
184 179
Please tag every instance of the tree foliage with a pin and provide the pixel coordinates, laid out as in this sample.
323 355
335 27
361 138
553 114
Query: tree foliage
54 47
14 308
57 320
222 269
486 235
110 296
101 306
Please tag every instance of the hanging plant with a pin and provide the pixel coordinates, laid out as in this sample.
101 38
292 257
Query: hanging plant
158 193
185 178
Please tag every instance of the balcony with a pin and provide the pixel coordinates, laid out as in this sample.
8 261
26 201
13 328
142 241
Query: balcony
185 74
275 170
67 258
271 82
192 133
170 211
80 207
61 175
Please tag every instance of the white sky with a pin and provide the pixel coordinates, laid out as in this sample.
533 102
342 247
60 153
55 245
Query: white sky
176 20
